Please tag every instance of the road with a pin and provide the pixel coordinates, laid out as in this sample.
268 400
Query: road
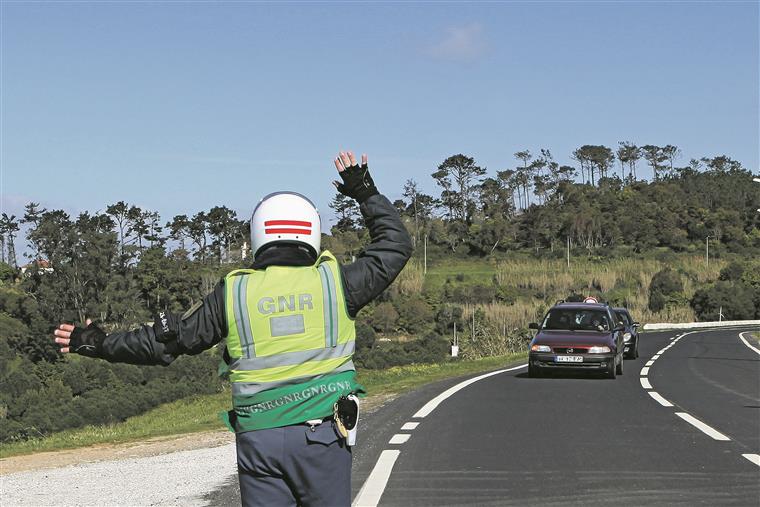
579 440
680 427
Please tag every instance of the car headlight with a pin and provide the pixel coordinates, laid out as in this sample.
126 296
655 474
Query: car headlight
627 336
599 350
540 348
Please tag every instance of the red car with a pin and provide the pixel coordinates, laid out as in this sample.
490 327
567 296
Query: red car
577 336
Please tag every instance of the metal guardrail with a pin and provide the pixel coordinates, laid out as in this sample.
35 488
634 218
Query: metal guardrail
700 325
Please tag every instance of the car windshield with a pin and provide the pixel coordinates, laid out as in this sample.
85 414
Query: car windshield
576 319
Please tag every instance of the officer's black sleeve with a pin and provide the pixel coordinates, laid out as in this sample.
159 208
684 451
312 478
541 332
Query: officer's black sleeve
198 329
383 259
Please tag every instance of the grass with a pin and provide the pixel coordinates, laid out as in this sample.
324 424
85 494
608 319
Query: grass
537 284
199 413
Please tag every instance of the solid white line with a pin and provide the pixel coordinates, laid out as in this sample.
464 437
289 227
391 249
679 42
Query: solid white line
754 458
644 371
432 404
747 343
650 362
410 426
717 435
399 438
372 490
645 383
659 399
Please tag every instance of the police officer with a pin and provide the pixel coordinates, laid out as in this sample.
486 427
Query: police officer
288 328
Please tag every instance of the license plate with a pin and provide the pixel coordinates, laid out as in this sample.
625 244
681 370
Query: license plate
568 359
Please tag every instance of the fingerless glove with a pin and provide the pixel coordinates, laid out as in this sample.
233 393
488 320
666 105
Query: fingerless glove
87 341
357 183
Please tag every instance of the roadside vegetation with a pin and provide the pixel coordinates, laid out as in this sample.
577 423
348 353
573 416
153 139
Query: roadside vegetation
491 255
199 413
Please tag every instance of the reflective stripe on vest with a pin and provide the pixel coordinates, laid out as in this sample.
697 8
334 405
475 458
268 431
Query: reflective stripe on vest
287 325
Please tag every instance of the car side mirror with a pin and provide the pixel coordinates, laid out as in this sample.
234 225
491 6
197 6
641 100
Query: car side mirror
532 325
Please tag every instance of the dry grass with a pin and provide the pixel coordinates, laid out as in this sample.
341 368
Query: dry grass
552 280
410 280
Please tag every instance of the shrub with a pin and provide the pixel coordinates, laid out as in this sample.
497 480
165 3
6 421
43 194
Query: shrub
664 289
736 302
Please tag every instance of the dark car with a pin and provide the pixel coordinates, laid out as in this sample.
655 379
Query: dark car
631 333
577 336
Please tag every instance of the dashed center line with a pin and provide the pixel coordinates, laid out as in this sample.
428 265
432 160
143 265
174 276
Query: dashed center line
644 371
409 426
645 383
662 401
399 438
754 458
372 490
704 428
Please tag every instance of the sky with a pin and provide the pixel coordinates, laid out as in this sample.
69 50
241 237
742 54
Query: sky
181 106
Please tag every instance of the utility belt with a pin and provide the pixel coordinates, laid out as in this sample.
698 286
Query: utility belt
345 416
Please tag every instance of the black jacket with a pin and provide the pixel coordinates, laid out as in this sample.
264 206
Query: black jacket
205 325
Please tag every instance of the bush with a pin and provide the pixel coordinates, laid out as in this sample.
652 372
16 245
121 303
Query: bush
384 317
416 315
735 300
664 289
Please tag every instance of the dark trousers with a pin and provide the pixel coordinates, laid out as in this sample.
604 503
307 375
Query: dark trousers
294 466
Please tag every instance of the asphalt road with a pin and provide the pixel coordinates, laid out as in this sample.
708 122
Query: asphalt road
583 440
573 439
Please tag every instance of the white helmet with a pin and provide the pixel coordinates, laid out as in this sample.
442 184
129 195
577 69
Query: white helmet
285 217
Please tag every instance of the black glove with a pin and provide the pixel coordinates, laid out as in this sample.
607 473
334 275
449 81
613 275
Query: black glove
357 183
87 341
165 326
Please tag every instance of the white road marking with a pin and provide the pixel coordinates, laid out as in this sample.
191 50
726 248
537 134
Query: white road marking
754 458
708 430
655 357
399 438
374 486
747 343
410 426
645 383
644 371
659 399
372 489
662 351
432 404
650 362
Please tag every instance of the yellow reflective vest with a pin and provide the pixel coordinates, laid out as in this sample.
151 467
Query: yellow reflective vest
290 341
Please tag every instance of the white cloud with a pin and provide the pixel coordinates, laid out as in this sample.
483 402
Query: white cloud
464 43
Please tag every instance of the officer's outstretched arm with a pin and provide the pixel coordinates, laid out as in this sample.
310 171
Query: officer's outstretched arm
196 330
390 247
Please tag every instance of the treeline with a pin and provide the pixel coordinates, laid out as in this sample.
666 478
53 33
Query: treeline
123 265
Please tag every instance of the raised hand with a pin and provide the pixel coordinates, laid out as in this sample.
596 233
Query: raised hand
357 182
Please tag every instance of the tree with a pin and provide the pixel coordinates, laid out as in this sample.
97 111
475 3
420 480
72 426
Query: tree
628 153
654 157
411 193
347 212
8 229
671 153
459 178
179 229
196 230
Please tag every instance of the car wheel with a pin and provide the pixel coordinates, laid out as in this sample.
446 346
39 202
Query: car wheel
610 372
534 371
619 369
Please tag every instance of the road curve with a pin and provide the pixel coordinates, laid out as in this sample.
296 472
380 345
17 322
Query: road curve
582 440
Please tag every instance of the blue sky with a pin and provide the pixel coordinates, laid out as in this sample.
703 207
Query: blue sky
178 107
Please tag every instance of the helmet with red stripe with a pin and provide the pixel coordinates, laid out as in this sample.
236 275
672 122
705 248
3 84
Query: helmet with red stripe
285 217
